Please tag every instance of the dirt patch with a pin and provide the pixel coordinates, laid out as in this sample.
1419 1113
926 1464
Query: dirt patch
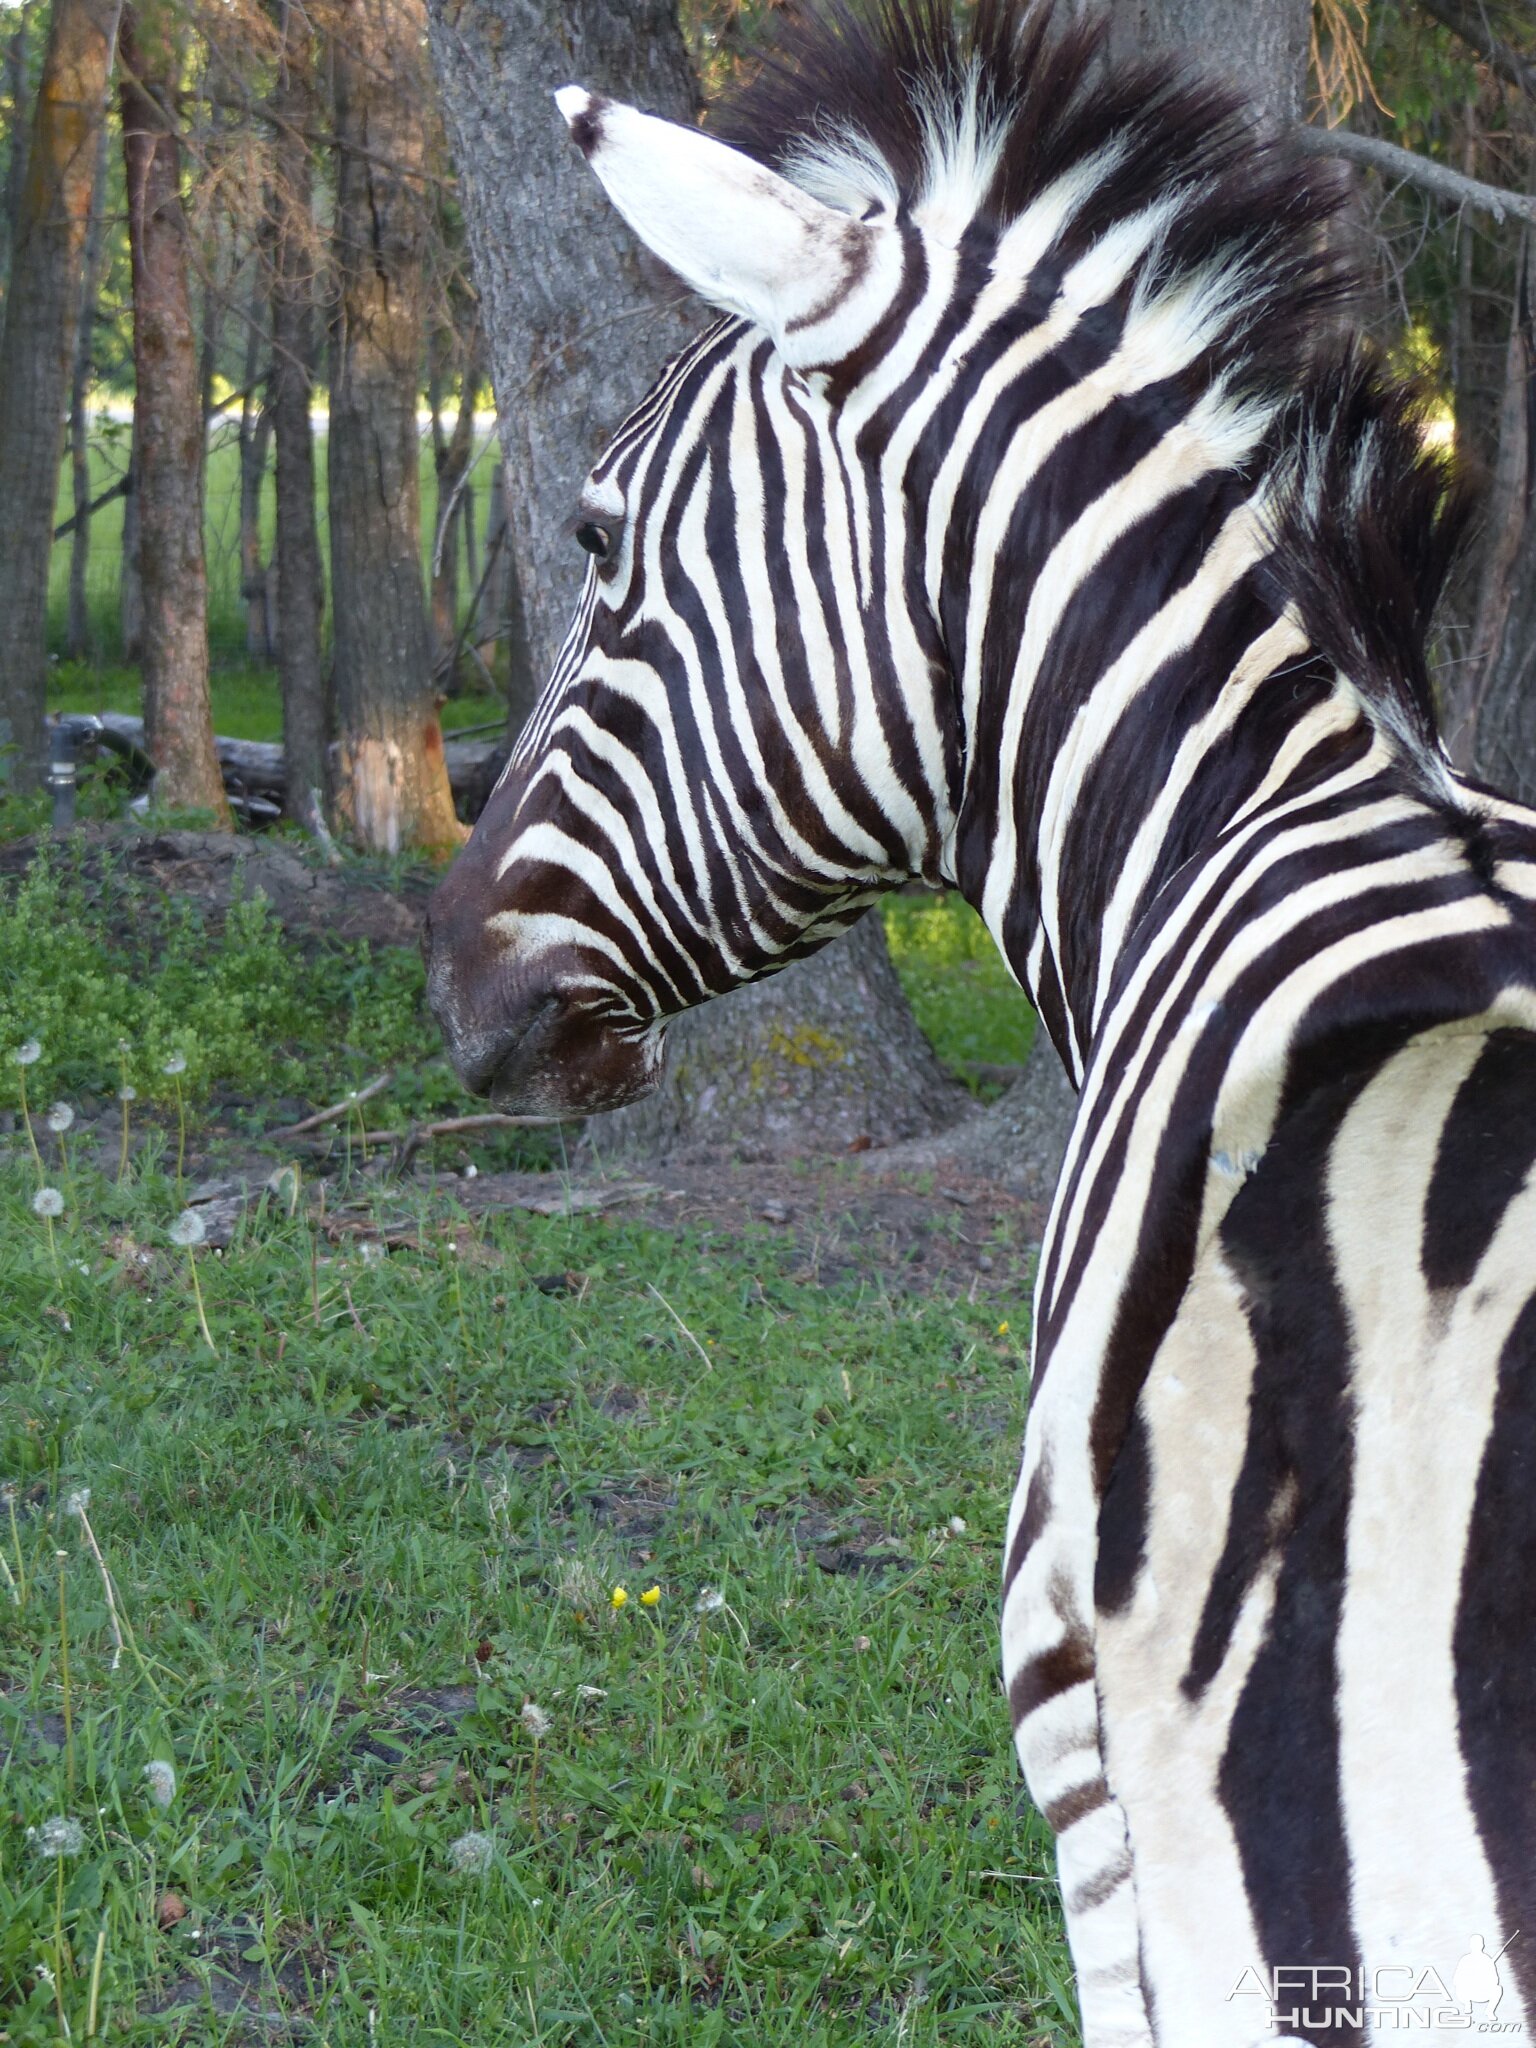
834 1226
256 2003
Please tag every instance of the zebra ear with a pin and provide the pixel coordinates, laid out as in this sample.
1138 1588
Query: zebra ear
741 236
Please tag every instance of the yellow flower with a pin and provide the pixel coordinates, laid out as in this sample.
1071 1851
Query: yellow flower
618 1598
651 1598
1002 1329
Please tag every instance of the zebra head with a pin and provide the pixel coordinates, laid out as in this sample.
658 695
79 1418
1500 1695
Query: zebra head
743 741
914 564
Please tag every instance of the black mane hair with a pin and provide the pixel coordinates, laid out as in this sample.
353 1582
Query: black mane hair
1370 518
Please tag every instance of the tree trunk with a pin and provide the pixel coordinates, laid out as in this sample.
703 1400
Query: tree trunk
42 310
1262 44
169 432
578 320
255 446
296 553
130 587
391 785
1491 697
1017 1141
823 1058
16 155
77 630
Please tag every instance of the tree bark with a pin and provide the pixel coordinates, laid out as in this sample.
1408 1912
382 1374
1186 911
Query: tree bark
130 587
1262 44
42 310
77 630
1018 1140
823 1058
391 785
1491 696
296 551
578 320
16 154
170 434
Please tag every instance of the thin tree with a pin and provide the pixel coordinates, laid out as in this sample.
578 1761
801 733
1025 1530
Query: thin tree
300 578
77 629
391 779
170 438
42 310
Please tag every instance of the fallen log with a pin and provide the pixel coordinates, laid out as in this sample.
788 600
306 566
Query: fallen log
255 768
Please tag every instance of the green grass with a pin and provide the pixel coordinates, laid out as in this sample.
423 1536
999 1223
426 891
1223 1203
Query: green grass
246 701
961 993
794 1819
221 528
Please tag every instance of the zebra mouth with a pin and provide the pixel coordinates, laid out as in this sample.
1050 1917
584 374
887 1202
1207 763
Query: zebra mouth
570 1062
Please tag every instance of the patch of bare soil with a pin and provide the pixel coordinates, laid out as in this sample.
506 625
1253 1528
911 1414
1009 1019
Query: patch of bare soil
836 1225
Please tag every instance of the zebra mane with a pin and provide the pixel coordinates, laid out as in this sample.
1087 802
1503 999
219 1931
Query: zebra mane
1012 130
1009 121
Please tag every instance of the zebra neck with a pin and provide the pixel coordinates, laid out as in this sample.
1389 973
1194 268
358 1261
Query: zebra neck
1145 702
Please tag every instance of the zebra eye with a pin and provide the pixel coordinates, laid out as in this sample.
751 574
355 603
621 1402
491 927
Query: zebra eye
594 539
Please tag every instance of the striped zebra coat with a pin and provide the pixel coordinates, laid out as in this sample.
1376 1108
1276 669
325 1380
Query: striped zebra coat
1025 526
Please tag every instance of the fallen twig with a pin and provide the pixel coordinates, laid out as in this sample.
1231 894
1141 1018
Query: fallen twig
342 1108
408 1145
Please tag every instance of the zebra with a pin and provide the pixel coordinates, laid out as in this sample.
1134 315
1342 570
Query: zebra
1030 522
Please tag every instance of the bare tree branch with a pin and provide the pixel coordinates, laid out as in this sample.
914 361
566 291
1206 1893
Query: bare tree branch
1453 187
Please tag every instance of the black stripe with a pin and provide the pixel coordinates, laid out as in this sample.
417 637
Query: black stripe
1280 1775
1493 1645
1487 1147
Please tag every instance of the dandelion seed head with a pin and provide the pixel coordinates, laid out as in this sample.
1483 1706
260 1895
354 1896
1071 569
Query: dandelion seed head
471 1853
535 1720
957 1525
651 1597
28 1053
48 1202
188 1229
127 1093
78 1501
710 1601
160 1778
60 1836
176 1064
591 1692
60 1117
372 1251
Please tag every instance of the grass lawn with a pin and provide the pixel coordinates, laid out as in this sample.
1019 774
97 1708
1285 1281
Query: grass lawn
391 1509
246 701
360 1537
